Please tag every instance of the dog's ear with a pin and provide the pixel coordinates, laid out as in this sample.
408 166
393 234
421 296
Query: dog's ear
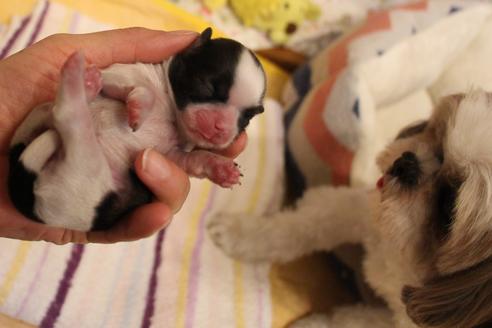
461 300
204 37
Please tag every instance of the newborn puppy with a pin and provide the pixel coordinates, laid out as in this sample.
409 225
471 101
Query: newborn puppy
427 230
71 160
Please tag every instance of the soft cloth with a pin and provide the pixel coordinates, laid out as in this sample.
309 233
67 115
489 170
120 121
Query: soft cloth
174 279
350 100
336 17
278 19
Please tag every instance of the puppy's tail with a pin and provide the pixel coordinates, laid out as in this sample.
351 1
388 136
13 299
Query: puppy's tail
39 151
25 163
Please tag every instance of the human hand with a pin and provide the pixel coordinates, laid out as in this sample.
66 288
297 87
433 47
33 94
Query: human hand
31 77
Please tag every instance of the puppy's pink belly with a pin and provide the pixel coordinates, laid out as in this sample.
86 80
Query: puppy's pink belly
120 144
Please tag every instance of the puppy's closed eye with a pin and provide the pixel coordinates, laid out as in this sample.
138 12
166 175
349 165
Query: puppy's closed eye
247 115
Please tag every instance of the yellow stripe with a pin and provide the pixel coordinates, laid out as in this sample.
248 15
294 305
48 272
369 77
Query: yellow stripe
187 253
67 19
15 269
252 204
239 295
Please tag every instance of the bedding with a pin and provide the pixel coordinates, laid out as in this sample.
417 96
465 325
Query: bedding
336 17
342 107
176 278
351 99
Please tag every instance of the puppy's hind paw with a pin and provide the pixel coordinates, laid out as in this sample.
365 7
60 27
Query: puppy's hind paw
92 81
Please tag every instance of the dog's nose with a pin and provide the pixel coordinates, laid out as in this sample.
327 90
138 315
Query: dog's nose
406 169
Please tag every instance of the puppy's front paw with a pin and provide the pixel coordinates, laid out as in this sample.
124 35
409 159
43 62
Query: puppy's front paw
139 104
223 171
315 320
234 234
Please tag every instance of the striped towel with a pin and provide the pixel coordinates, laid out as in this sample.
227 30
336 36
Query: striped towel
174 279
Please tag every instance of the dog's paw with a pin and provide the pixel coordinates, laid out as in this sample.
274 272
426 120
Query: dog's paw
315 320
139 104
223 171
234 234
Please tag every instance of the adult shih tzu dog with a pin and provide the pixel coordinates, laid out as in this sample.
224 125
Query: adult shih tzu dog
426 229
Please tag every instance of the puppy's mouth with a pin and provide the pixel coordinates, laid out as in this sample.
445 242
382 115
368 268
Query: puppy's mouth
210 126
215 139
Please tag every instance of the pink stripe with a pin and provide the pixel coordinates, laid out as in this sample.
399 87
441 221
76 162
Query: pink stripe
195 262
14 37
74 23
35 279
39 24
150 303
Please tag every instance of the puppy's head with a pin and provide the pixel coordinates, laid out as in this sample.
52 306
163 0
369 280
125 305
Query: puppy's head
436 197
218 86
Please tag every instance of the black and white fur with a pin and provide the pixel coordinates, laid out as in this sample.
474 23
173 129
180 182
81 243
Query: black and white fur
71 160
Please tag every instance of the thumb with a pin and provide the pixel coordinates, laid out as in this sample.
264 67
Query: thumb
169 184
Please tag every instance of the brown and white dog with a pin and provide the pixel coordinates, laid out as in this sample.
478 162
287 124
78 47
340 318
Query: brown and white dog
427 230
71 160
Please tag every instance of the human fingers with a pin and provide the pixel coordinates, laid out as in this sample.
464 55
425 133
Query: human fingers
141 223
127 45
169 184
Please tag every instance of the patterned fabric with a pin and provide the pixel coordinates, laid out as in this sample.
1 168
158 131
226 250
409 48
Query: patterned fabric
353 97
337 17
177 278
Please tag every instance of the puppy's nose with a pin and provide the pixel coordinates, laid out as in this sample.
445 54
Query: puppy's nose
406 169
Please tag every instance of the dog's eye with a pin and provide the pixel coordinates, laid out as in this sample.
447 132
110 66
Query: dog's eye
412 130
406 169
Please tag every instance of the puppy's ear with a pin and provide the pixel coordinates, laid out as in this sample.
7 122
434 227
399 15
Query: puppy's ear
462 299
204 37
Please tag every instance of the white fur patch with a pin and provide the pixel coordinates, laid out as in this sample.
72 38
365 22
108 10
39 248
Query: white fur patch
469 135
469 150
243 93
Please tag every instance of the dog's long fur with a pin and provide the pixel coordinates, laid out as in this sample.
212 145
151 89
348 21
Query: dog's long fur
427 232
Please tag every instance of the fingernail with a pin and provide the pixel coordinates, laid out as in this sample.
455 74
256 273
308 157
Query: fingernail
154 165
182 33
167 223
